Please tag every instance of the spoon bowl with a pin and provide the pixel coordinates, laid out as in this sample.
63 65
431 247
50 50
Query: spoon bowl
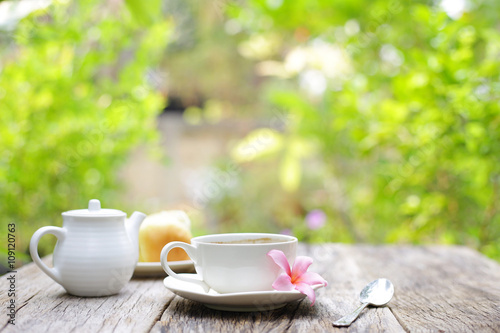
378 292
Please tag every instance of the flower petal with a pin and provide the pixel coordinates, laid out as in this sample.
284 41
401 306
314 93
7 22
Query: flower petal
283 283
300 266
311 278
280 260
307 290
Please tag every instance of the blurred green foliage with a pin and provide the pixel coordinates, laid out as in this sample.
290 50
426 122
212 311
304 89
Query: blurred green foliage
75 99
384 114
387 116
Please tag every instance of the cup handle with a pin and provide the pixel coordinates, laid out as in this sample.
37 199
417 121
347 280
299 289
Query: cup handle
191 251
60 233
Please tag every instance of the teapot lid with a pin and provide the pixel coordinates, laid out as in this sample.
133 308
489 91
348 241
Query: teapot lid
95 210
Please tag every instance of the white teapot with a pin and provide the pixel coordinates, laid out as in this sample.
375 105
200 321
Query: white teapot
96 251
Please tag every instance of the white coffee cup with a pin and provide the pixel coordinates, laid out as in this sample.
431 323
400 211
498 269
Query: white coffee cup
230 263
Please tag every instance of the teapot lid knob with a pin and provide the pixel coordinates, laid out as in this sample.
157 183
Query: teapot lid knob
94 205
94 210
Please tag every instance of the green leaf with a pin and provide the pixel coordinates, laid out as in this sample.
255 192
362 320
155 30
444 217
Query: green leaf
145 12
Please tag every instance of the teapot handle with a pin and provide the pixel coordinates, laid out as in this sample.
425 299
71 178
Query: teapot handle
60 233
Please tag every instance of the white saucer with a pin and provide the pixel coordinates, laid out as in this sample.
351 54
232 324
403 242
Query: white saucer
238 302
154 269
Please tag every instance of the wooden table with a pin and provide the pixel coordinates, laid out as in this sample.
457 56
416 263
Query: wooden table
438 289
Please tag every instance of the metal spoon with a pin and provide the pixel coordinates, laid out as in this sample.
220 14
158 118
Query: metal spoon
378 293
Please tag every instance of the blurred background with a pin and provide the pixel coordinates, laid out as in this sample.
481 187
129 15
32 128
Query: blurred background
335 121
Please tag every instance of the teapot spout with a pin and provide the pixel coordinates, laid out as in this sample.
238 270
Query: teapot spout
132 226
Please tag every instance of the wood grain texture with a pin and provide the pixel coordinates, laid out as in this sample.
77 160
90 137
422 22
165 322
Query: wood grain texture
339 298
450 289
44 306
437 289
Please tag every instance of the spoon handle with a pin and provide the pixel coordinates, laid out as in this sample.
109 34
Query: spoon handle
348 319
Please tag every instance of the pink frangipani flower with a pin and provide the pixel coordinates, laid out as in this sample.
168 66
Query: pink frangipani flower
298 277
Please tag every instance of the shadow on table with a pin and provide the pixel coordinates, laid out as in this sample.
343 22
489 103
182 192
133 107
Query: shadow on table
293 310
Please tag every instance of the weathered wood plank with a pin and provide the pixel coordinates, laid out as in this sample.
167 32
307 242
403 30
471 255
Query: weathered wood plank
44 306
438 288
339 298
